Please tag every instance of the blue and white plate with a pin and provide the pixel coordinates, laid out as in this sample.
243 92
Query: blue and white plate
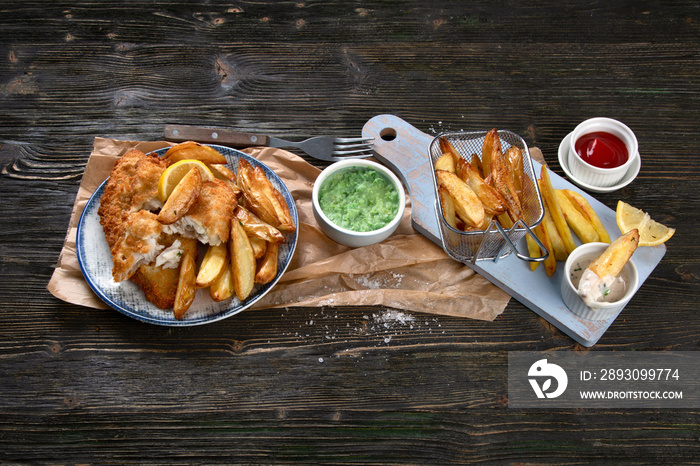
126 297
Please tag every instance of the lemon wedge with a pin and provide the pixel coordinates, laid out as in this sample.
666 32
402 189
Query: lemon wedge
175 172
651 233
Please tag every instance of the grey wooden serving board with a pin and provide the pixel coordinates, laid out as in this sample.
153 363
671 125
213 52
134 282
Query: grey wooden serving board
404 149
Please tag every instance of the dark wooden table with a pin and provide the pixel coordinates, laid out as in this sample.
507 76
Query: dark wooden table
79 385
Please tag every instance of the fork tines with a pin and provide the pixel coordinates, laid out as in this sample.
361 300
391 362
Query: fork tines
352 146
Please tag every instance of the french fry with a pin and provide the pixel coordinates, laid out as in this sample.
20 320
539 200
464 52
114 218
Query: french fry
242 261
576 220
467 204
550 263
182 198
585 208
493 200
558 248
215 259
491 142
533 250
552 202
222 288
186 288
615 256
448 206
268 265
194 150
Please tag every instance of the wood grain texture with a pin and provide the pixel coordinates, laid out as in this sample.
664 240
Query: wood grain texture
329 385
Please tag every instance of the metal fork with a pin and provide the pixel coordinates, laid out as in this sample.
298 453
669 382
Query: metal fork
328 148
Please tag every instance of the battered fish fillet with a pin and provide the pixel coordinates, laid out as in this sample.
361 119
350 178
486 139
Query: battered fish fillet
137 245
132 186
159 282
209 219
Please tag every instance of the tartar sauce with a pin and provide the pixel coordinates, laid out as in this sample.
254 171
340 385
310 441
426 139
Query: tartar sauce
594 290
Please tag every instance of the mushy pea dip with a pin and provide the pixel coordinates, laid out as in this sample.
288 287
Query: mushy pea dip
359 199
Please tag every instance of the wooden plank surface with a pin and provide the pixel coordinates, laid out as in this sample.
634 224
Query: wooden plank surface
270 386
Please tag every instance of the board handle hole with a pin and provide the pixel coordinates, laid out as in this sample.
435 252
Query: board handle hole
388 134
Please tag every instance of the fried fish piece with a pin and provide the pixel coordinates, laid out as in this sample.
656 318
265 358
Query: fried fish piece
159 280
132 186
209 218
138 244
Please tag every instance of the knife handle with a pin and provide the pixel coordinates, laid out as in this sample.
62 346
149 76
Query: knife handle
180 133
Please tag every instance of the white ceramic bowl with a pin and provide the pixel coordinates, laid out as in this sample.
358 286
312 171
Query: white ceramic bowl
570 294
345 236
595 176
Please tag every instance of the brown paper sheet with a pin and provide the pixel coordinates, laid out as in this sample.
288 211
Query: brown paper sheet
407 271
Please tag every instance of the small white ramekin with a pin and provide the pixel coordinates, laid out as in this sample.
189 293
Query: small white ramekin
352 238
570 294
595 176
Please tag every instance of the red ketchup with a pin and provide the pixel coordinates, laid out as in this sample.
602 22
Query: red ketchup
602 150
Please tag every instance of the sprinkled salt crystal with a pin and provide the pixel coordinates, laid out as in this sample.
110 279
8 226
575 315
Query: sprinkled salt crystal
320 359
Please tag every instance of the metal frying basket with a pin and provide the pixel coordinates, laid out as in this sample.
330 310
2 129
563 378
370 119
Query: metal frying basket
495 242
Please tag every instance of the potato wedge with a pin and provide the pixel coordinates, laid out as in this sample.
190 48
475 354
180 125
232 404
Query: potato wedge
259 246
222 288
224 173
182 198
194 150
476 163
514 157
585 208
502 180
448 207
576 220
491 142
262 198
552 202
186 288
255 227
242 261
268 265
445 162
493 200
215 259
467 204
615 256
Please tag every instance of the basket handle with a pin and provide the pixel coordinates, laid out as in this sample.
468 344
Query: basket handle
514 248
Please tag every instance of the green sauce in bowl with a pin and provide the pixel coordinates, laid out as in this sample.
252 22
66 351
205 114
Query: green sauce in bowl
359 199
